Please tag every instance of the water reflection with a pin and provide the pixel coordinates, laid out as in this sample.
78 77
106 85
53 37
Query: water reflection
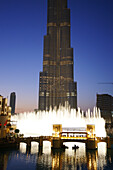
92 160
56 159
3 161
102 151
34 147
23 147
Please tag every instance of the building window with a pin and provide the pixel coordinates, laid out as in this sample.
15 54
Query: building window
68 94
42 94
47 94
72 94
112 113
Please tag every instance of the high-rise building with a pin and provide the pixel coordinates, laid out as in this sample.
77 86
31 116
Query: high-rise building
105 103
57 84
5 117
12 102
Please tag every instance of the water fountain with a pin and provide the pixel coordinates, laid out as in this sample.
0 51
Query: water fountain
32 124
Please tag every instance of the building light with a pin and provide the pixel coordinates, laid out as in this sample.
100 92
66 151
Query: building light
112 113
47 94
42 94
72 94
68 94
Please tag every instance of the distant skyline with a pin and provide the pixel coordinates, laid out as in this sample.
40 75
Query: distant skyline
22 28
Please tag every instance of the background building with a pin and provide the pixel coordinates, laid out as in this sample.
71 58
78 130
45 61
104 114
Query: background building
57 84
12 102
5 117
105 103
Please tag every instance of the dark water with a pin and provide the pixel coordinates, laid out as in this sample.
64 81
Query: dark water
46 158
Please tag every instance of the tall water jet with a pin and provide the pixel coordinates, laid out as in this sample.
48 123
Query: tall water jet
32 124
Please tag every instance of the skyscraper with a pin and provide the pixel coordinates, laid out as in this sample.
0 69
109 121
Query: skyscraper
57 84
12 102
105 104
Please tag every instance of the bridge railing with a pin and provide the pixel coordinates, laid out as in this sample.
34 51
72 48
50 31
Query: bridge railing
73 134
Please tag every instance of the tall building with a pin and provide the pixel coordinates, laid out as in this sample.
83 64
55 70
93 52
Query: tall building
12 102
5 117
57 84
105 103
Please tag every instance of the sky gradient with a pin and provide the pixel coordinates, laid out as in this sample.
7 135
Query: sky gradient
22 28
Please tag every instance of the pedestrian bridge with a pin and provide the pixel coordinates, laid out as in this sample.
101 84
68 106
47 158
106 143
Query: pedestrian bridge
59 137
58 142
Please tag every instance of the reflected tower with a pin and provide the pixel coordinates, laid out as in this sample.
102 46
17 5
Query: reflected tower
57 84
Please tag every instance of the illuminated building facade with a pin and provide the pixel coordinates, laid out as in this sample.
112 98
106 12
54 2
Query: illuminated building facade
5 117
57 84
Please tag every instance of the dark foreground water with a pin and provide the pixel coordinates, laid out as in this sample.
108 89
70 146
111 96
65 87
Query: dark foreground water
57 159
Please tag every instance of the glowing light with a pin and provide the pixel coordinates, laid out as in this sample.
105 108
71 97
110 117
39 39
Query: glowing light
32 124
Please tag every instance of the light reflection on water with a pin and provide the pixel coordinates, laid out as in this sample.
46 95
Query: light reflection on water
102 150
23 159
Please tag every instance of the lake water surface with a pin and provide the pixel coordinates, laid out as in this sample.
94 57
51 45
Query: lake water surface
45 159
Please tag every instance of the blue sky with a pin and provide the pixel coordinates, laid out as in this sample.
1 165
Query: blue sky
22 27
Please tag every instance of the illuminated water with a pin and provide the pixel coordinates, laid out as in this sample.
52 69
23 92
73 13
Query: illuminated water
101 159
32 124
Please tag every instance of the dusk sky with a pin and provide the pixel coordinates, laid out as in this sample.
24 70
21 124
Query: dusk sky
22 27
